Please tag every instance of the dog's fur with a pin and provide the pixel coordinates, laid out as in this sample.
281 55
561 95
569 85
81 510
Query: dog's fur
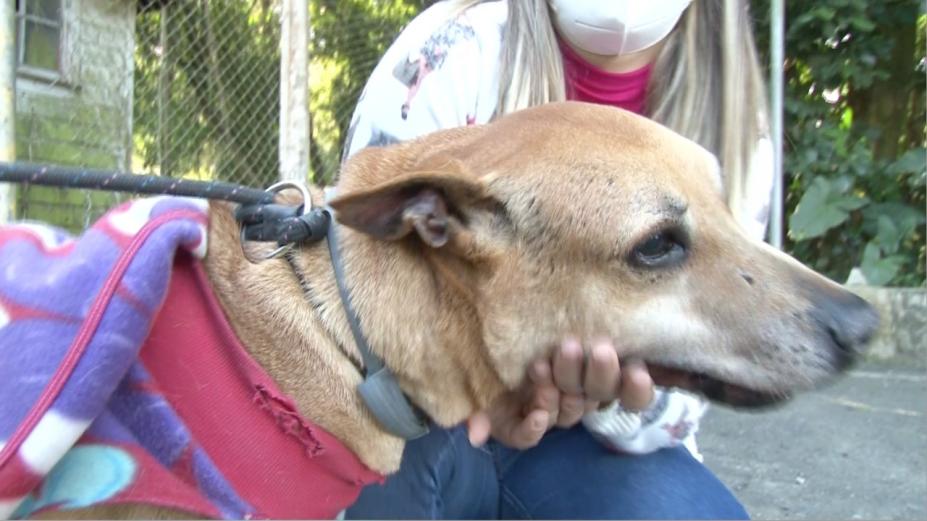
471 252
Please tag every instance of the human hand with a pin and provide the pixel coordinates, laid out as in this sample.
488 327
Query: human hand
559 390
596 379
519 418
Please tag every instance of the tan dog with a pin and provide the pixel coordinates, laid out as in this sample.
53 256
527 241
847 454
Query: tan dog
470 252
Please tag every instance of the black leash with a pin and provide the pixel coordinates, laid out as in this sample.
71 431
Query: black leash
93 179
261 219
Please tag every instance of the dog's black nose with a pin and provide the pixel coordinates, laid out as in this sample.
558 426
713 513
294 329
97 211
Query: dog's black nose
850 321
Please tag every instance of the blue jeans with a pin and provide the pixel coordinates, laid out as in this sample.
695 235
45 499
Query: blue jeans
568 475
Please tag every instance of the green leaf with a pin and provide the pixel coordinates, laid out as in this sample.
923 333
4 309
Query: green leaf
846 118
862 23
871 254
888 235
911 162
822 207
813 216
824 13
904 217
848 203
879 270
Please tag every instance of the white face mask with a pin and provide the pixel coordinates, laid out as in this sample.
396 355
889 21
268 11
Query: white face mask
614 27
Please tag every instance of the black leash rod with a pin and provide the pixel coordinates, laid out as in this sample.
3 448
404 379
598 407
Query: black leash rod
69 177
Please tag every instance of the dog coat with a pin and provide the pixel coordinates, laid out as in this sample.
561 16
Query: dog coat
122 382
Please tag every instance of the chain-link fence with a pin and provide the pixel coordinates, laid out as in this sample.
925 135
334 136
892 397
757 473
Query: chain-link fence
183 88
207 89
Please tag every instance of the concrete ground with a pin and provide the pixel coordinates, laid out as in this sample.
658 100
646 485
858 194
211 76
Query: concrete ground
855 450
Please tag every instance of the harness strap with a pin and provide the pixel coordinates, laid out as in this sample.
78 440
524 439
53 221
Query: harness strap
287 225
379 390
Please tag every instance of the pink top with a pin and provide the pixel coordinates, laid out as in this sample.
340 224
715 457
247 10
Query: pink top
586 82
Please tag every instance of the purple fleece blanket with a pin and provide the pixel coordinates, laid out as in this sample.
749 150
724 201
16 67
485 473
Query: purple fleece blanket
73 315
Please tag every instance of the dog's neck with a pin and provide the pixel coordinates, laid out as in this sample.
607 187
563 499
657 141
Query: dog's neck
298 335
297 330
416 309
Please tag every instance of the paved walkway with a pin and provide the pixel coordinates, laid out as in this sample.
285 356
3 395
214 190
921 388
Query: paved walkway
855 450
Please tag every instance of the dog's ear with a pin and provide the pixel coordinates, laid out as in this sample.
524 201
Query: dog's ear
420 202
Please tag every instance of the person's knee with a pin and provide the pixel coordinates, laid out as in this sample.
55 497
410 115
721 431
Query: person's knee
414 491
570 475
708 499
671 484
441 476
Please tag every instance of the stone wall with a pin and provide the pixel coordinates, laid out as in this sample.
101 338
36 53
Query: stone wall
903 329
85 118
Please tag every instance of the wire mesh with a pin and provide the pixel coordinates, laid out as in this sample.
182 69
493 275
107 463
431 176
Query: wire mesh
207 80
188 88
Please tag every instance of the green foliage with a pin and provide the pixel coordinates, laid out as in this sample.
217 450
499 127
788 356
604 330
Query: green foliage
207 89
348 39
207 82
855 156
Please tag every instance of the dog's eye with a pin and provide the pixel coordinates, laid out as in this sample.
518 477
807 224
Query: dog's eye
662 249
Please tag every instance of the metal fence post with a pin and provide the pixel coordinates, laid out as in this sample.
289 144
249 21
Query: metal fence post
7 102
776 58
294 91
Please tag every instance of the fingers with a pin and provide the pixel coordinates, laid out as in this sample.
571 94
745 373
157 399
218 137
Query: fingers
598 378
540 373
602 372
528 432
593 405
479 428
559 391
636 388
568 367
572 408
522 434
544 395
568 377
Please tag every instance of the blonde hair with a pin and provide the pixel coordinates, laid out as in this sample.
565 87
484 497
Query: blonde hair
706 82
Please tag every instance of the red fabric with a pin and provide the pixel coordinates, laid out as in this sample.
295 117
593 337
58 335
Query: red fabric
586 82
278 461
18 481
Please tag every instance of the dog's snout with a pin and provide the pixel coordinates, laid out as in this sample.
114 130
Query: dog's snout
850 321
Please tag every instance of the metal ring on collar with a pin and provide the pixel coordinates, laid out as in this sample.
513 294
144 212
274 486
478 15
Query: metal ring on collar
276 188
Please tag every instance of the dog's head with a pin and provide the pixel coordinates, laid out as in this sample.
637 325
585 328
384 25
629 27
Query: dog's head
577 219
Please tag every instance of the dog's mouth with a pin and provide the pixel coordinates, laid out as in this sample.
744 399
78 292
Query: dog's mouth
715 389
